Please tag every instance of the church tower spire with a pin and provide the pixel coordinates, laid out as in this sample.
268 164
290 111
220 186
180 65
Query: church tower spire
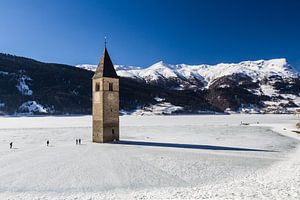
105 101
105 67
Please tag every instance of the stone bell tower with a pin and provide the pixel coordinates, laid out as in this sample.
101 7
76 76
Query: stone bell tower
105 101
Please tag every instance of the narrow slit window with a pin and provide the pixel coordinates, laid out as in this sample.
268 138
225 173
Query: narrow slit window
110 87
113 131
97 87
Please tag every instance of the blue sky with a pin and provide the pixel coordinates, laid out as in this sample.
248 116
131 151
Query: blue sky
142 32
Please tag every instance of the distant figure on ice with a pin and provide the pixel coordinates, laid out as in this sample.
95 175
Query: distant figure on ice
47 143
10 145
79 141
76 141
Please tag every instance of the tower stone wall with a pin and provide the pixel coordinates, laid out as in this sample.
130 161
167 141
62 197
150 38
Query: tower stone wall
105 103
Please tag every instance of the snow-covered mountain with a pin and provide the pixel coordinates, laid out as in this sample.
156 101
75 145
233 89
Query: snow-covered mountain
206 74
275 81
28 86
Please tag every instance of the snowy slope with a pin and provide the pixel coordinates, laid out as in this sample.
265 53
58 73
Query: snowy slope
269 82
257 70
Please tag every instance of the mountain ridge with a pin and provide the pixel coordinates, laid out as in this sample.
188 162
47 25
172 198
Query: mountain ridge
264 79
28 86
206 74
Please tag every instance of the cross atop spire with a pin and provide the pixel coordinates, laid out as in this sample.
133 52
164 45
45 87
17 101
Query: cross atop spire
105 42
105 67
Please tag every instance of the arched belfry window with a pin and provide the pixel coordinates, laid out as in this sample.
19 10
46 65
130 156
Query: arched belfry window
110 86
97 87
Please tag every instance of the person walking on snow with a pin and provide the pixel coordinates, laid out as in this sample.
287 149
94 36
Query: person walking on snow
47 143
76 141
79 141
10 145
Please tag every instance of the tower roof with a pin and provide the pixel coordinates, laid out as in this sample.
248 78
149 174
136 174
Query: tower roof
105 67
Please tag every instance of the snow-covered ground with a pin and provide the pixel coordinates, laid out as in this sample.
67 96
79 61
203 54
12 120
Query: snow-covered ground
31 107
204 156
161 108
22 85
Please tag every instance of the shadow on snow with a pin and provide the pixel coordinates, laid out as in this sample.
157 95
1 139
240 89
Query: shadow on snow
187 146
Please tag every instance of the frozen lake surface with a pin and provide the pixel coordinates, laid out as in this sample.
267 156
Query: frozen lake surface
204 156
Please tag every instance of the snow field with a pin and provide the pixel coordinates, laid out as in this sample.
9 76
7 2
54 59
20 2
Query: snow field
206 156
